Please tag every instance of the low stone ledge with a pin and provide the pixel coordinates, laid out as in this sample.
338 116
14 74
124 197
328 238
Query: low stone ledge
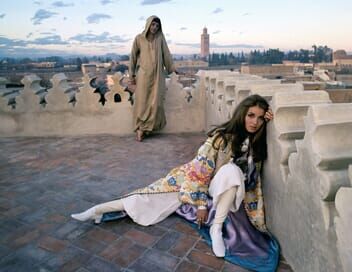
343 226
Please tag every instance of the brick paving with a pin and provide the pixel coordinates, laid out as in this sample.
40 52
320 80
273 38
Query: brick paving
44 180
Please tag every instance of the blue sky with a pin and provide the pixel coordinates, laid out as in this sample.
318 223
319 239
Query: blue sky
95 27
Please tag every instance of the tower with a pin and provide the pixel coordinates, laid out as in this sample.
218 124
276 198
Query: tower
204 44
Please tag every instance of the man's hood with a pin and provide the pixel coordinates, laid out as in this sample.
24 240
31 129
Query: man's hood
148 23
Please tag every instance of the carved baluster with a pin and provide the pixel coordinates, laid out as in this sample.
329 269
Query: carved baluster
57 99
28 100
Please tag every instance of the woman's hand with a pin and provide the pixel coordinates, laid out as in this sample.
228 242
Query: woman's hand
269 115
202 216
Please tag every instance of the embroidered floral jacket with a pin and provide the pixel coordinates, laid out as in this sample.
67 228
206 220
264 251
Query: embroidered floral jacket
192 180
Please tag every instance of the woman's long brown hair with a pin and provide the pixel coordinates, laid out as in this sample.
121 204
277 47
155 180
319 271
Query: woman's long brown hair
234 130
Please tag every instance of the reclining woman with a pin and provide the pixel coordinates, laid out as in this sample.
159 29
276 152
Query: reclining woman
220 190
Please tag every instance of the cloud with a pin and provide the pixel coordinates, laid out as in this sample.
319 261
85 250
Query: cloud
96 17
41 15
104 37
142 18
52 39
153 2
37 3
6 42
106 2
193 45
61 4
219 46
183 28
29 52
240 45
216 32
2 15
246 14
217 10
29 34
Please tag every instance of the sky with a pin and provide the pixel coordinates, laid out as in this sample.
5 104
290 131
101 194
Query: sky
98 27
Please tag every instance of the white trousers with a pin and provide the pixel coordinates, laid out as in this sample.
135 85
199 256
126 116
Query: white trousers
226 189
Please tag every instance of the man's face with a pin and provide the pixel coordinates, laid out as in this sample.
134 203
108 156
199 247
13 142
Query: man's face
154 27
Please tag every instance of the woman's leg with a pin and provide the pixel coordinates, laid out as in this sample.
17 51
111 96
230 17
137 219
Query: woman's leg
224 204
96 213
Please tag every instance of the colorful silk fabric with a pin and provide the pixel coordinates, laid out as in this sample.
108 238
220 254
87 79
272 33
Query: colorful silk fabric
247 240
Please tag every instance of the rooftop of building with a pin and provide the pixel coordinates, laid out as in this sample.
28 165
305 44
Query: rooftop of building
44 180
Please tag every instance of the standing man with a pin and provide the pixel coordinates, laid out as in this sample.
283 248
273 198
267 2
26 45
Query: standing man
150 60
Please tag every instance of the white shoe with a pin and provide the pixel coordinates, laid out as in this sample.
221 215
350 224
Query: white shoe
88 214
217 242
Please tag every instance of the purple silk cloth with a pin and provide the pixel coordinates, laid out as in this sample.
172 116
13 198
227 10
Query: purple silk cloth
240 236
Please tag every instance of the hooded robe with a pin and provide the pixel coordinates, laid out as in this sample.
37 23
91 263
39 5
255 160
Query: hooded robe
149 63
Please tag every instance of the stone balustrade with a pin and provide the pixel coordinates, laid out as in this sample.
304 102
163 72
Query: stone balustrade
289 110
343 223
59 111
301 198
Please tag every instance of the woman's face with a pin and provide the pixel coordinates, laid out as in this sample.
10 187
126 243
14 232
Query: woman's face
254 119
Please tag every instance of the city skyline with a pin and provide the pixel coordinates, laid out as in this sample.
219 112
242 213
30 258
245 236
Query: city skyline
99 27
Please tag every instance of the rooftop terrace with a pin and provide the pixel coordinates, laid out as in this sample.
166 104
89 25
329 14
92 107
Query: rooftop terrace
43 180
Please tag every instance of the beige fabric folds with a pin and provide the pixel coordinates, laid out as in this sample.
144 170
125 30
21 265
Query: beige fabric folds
149 63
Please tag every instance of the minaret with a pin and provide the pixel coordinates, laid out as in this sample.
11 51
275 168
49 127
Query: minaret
204 44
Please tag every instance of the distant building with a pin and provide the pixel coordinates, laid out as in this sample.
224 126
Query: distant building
70 66
341 59
190 64
269 71
89 68
204 44
45 64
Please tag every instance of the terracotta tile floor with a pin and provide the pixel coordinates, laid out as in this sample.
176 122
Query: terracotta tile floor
44 180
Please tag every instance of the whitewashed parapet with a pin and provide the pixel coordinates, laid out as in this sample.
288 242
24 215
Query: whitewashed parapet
301 210
331 143
54 114
343 224
184 107
86 99
288 126
214 82
268 90
4 107
57 99
230 97
29 100
3 82
117 89
244 86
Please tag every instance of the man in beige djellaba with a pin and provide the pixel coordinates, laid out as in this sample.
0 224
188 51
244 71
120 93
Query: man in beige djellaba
150 62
